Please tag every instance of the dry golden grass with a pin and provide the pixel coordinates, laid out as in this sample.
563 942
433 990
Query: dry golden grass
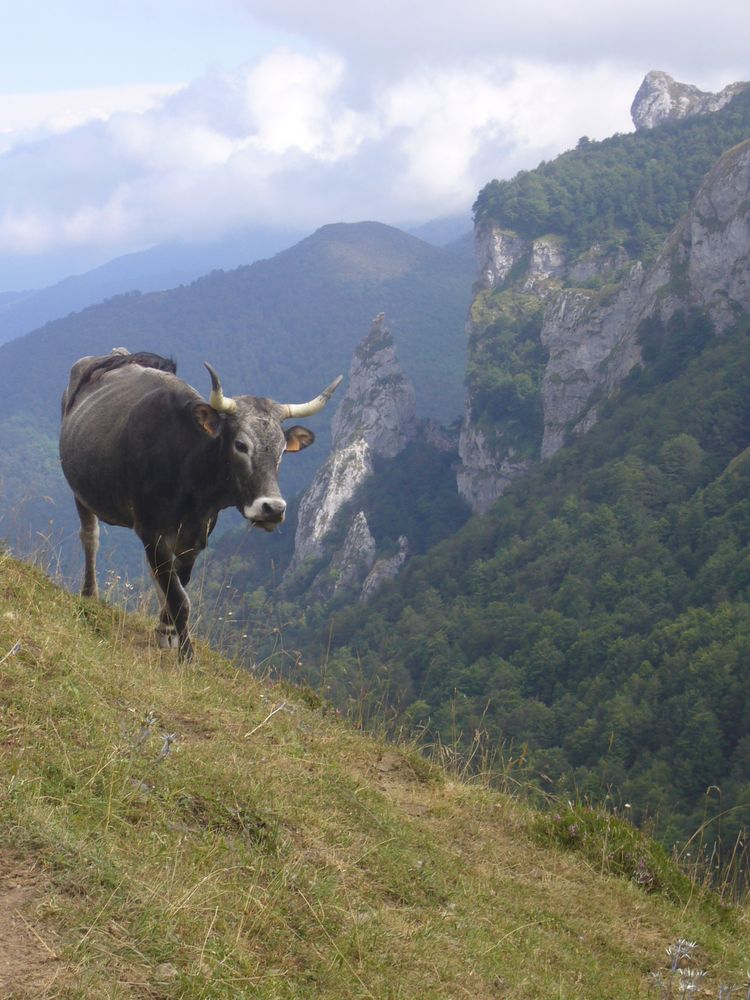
269 850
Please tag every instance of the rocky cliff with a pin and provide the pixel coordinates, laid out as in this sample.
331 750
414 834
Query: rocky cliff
661 99
584 312
376 417
385 569
379 406
334 485
705 264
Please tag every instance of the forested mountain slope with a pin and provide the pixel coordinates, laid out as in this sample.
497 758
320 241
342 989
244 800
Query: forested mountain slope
596 621
159 267
571 256
633 187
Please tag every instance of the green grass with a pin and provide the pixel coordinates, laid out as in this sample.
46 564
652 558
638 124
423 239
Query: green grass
276 852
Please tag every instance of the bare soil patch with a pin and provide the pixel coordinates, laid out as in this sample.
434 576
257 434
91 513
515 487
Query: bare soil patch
28 963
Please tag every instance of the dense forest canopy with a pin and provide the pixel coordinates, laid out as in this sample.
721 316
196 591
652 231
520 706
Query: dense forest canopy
597 621
631 187
595 624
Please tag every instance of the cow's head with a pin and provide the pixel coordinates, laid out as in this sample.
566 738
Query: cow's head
253 442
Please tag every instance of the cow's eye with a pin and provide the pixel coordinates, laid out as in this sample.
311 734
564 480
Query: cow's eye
241 447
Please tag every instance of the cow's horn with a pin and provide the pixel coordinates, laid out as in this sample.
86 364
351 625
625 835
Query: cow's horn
314 406
217 399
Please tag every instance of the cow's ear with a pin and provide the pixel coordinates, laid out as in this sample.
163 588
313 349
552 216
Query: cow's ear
298 438
207 419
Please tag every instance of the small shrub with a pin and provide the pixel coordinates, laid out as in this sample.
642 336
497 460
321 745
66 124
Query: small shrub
615 846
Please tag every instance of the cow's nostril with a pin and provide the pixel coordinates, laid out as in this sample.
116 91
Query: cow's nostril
273 508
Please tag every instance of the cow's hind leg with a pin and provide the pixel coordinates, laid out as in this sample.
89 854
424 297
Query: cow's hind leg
89 536
176 610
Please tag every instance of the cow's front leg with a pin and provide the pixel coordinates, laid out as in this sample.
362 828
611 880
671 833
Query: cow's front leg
166 633
173 623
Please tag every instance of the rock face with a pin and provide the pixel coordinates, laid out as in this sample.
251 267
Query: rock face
376 417
354 560
485 472
334 486
711 246
591 350
385 569
662 99
380 405
593 343
535 269
590 334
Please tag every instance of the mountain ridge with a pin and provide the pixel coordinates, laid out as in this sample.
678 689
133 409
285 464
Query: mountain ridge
553 324
160 267
661 98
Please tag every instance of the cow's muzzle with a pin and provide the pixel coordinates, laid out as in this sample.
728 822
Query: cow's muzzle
265 512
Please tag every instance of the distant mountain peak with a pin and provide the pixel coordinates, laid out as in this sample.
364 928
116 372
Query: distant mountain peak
661 98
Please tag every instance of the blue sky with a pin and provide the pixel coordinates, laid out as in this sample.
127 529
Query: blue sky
52 45
132 123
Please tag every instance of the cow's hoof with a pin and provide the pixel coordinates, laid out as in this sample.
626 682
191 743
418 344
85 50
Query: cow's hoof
166 636
185 654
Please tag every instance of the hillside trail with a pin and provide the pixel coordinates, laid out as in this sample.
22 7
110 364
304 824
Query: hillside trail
28 965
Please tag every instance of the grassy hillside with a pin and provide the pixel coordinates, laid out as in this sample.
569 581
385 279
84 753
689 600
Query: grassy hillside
267 849
282 327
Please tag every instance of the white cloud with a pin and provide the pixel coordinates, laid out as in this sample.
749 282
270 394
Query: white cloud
460 127
30 117
284 141
293 102
697 42
403 116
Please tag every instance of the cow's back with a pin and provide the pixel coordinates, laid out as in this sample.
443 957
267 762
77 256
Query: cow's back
112 418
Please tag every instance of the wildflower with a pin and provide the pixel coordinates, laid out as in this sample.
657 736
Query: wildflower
694 975
147 724
690 980
573 830
169 739
679 950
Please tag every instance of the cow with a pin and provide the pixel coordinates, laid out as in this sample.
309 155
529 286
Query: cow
142 449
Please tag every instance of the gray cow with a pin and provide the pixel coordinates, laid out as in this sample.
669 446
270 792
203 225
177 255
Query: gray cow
142 449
